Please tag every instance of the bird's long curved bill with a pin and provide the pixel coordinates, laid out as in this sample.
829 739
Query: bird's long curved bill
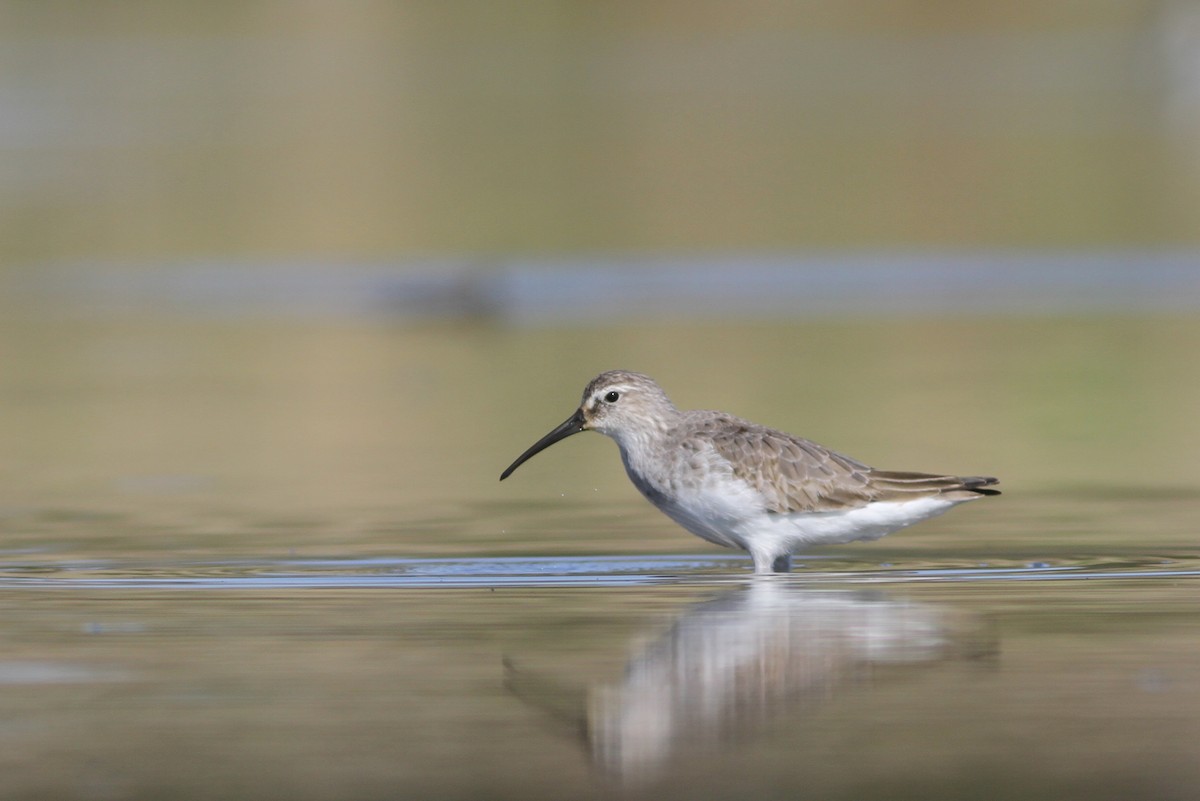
572 425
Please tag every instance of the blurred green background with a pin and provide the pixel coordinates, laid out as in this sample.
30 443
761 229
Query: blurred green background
336 255
148 133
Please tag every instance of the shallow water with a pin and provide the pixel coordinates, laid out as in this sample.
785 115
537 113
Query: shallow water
273 560
645 676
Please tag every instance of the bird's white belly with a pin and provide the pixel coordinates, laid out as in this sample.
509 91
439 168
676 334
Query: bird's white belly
714 511
709 518
738 520
868 522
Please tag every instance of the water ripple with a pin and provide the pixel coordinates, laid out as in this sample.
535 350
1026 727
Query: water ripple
364 573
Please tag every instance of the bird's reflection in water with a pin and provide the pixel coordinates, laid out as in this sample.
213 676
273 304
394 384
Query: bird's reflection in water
729 665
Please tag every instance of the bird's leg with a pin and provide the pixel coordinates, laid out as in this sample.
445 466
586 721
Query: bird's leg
771 562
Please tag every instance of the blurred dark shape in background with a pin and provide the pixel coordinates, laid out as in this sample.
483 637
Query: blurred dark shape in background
143 138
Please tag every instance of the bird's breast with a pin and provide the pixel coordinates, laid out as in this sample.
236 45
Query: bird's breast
707 501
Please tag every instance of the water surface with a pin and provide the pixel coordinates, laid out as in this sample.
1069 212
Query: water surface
272 559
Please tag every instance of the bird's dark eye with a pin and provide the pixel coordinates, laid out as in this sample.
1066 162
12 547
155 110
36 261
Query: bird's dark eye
612 397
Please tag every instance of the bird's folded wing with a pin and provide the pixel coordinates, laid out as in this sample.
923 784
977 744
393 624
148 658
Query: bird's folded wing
794 474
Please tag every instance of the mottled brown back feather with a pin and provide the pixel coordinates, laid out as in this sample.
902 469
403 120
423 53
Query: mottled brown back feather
798 475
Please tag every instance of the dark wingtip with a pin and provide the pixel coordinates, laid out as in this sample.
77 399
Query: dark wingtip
980 484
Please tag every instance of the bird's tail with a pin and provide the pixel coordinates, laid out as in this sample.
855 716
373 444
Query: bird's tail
899 484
